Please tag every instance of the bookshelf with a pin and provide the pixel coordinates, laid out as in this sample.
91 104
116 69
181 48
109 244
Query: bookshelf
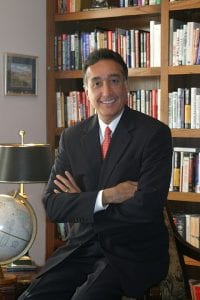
165 77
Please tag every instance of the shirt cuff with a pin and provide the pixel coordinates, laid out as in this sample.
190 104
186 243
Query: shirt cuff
98 205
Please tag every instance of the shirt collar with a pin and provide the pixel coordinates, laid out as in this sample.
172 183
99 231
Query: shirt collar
112 125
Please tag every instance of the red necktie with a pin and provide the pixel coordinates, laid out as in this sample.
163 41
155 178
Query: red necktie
106 141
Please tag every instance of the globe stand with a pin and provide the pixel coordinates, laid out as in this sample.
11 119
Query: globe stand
6 279
22 195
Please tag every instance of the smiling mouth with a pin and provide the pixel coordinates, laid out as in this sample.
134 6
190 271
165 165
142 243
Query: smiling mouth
108 101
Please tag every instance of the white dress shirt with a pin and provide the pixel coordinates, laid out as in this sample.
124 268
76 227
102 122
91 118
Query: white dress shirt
102 127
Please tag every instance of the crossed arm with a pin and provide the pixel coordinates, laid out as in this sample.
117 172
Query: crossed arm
116 194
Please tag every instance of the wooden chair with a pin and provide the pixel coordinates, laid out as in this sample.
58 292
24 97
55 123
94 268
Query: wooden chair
176 285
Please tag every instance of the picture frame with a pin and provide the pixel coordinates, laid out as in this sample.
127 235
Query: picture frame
20 75
99 4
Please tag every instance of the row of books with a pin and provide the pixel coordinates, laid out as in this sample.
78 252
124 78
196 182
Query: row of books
75 106
188 226
184 43
145 101
139 48
185 170
72 108
184 108
126 3
68 6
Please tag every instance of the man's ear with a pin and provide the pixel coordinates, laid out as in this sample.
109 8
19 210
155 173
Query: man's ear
86 92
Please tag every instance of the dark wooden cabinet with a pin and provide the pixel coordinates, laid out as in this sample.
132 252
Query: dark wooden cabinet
14 290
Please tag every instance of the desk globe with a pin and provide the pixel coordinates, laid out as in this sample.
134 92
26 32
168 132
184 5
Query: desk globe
17 231
19 163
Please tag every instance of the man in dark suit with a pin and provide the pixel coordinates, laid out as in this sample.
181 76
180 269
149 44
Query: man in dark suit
118 243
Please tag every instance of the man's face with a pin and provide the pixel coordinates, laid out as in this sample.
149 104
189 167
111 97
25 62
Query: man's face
106 89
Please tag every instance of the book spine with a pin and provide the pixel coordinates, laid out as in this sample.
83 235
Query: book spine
187 117
137 49
191 171
197 125
195 230
132 38
170 123
152 23
60 113
148 50
154 104
196 43
197 173
196 289
174 109
142 101
198 54
187 231
193 107
181 100
64 51
59 52
176 171
72 52
147 102
185 173
56 53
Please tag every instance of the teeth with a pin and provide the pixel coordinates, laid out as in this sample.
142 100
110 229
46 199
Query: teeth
108 101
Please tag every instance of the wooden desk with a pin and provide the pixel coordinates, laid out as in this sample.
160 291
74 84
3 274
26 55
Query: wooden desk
14 290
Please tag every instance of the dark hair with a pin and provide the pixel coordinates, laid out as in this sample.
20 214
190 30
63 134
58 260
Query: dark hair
101 54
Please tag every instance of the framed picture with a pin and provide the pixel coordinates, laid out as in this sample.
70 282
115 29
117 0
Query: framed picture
99 3
20 74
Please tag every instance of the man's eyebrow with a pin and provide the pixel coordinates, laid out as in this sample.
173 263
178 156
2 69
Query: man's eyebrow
96 78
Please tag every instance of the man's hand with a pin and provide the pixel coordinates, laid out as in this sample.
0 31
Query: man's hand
66 184
119 193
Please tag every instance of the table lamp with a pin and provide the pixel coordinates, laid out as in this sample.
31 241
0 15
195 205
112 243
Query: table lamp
19 163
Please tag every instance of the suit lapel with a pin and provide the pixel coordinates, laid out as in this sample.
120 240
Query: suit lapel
90 144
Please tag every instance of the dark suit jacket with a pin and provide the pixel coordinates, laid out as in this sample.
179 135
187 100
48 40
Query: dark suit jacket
132 234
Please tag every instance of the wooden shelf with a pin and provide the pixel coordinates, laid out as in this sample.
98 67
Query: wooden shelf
109 13
191 262
184 70
183 5
144 72
137 72
76 74
188 197
186 133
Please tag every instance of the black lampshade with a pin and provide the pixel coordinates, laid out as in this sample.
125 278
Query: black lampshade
25 163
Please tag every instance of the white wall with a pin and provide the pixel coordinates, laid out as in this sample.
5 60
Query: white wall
23 31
